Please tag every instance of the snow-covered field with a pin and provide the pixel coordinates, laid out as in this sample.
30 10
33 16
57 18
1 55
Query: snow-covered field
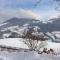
30 55
18 43
13 42
54 46
27 56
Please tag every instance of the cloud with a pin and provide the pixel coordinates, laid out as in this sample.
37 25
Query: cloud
6 14
17 8
49 13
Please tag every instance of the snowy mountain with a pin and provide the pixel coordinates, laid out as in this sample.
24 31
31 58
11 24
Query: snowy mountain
17 22
54 25
13 29
16 26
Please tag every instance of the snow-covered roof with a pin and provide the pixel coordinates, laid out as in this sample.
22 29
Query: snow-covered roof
13 42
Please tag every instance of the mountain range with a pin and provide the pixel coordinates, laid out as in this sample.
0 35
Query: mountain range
15 24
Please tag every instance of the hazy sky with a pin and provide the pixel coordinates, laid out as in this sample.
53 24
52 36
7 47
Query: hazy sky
26 8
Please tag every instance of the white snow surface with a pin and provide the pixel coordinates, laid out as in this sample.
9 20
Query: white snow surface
13 42
6 35
57 34
3 24
27 56
53 45
18 43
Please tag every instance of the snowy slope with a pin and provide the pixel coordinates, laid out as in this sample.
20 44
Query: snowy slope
13 42
54 46
27 56
18 26
2 24
18 43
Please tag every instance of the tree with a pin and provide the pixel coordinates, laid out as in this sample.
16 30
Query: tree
33 38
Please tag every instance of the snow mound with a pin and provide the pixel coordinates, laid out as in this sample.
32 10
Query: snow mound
13 42
53 45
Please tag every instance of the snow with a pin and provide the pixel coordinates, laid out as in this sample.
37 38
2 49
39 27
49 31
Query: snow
49 45
6 35
27 56
36 28
18 43
13 42
54 46
17 29
10 28
57 34
3 24
25 25
51 35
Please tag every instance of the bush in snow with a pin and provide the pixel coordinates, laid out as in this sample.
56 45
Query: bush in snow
33 38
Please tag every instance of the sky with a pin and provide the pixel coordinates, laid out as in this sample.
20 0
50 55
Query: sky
27 9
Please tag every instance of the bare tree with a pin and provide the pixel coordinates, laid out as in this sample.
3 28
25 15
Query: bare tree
33 38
